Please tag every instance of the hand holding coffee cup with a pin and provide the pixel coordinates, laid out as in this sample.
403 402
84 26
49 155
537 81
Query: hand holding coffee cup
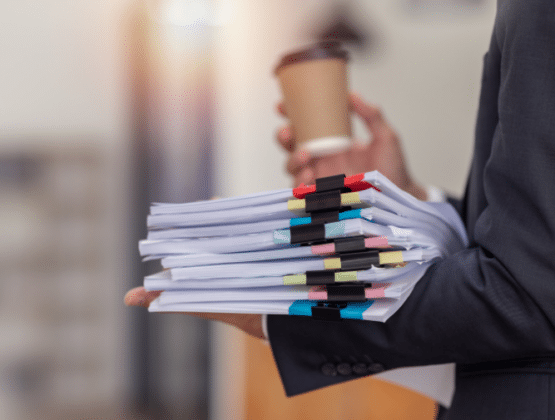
315 90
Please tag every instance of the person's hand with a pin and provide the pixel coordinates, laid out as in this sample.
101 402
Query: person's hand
383 153
249 323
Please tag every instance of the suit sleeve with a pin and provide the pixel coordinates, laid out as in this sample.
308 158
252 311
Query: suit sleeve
496 299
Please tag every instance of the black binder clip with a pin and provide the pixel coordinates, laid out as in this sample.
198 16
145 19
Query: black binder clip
323 201
364 260
308 234
330 183
338 298
321 217
350 244
320 277
346 293
325 311
327 197
323 205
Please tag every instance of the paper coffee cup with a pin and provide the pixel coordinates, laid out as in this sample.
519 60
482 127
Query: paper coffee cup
315 89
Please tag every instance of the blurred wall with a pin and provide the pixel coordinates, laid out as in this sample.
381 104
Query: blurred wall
64 164
93 95
62 70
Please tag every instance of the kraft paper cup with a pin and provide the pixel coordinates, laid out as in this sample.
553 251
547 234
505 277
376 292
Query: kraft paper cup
315 89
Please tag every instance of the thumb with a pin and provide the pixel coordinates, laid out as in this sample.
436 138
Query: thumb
140 297
373 118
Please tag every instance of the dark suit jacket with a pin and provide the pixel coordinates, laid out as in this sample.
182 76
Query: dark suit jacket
491 307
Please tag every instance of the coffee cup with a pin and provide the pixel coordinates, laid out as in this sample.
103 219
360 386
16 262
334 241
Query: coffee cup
315 93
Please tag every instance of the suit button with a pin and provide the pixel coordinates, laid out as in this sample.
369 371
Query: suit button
360 369
344 369
375 368
329 369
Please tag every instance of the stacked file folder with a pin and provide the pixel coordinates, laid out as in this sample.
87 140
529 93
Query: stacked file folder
346 247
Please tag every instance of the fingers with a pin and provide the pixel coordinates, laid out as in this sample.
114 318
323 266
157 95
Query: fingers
286 139
305 168
285 134
338 163
369 113
372 117
298 161
139 296
306 176
249 323
281 109
300 167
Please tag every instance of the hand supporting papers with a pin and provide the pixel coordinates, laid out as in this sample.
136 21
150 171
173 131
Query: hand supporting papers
249 323
383 153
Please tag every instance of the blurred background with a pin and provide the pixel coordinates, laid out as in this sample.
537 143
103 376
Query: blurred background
106 106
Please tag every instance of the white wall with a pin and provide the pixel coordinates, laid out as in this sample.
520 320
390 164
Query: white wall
62 68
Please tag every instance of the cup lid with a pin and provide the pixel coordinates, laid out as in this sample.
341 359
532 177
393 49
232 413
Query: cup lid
319 51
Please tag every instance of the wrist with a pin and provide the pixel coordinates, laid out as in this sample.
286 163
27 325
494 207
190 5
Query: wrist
251 324
417 191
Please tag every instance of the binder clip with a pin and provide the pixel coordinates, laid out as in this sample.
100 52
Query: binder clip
350 183
323 203
338 298
362 260
351 244
320 277
346 293
324 311
327 194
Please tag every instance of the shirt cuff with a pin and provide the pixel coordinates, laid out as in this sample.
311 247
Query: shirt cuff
265 328
435 194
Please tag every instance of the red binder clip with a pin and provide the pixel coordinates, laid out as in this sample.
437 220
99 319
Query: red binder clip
350 183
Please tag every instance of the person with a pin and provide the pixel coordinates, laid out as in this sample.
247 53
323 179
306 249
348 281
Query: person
489 308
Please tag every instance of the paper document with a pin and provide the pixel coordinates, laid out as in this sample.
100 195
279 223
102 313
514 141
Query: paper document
345 247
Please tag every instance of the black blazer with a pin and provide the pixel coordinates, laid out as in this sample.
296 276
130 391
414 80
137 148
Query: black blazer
491 307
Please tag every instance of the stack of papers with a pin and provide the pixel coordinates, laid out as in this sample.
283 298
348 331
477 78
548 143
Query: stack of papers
346 247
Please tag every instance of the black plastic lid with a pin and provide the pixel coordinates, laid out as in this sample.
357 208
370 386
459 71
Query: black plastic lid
320 51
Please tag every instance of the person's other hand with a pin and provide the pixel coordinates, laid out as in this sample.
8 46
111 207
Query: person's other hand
249 323
383 153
